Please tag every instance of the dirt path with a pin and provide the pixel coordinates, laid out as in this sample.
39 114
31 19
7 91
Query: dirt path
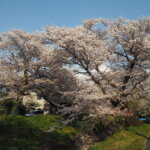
148 144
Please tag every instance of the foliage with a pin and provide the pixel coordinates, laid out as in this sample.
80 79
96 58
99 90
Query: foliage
7 105
18 109
4 94
11 106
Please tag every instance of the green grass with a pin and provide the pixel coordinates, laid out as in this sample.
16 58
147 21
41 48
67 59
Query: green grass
131 138
28 133
43 121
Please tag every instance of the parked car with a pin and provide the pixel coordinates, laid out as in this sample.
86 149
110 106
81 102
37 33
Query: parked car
33 113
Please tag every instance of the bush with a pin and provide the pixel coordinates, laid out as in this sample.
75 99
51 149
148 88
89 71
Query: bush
2 110
6 106
18 109
10 106
4 94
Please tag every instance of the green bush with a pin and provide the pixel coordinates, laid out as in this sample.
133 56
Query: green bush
6 106
3 110
18 109
10 106
4 94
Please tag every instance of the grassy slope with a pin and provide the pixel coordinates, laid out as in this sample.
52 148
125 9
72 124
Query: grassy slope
130 139
21 133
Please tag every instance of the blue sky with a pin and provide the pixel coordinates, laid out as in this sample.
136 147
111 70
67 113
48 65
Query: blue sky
33 15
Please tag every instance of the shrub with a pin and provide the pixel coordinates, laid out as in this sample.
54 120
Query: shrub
4 94
6 106
10 106
18 109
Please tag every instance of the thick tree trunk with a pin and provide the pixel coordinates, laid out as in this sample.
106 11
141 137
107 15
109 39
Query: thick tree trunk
127 77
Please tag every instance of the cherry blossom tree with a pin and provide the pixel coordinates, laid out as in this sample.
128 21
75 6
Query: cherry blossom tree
26 64
131 50
114 54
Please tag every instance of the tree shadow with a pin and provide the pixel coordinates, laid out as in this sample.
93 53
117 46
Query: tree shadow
21 134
